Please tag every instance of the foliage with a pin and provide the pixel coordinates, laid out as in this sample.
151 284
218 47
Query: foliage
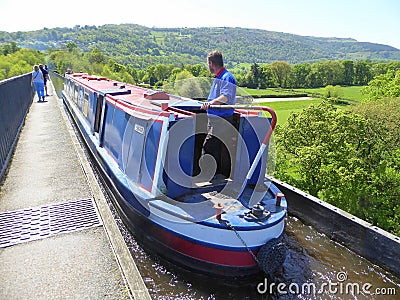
384 85
9 48
318 74
95 62
333 93
15 61
277 74
345 158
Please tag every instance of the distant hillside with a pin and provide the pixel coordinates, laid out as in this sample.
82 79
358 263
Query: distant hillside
141 46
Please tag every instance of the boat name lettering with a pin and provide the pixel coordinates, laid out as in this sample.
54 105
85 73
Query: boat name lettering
139 128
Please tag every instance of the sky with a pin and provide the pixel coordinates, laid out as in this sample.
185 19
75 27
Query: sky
375 21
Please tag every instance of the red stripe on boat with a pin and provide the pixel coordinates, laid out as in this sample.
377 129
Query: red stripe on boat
205 253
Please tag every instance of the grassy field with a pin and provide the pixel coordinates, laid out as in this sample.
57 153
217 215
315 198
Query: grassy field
270 92
348 92
284 108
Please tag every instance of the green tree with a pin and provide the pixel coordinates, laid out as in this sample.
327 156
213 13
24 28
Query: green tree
299 75
162 73
97 57
71 46
346 158
150 76
362 73
281 71
9 48
323 143
328 73
253 76
198 70
186 85
19 62
384 159
348 72
267 77
385 85
333 93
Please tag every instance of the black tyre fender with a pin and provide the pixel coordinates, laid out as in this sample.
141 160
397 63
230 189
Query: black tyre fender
271 256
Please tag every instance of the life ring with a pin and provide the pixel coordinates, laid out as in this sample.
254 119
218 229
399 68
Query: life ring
271 256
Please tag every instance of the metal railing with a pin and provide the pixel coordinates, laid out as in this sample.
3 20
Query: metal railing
16 95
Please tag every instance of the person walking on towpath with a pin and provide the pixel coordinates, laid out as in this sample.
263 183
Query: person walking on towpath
38 82
45 77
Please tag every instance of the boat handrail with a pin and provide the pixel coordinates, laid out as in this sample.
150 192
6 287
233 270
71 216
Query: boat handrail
182 111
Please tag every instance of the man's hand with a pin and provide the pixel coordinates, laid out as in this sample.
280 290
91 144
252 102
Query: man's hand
222 99
205 105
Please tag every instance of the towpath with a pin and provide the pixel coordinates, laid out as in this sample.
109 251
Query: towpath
58 239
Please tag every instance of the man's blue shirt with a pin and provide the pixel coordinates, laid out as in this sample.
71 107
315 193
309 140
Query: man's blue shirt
224 84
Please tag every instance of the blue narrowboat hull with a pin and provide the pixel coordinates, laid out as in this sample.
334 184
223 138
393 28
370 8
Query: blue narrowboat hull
167 226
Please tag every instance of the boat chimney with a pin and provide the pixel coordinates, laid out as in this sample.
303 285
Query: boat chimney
279 197
164 106
218 210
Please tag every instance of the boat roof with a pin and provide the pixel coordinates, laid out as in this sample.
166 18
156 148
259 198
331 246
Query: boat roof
132 96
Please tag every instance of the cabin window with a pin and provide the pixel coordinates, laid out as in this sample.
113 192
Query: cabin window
70 91
99 107
85 104
76 93
80 98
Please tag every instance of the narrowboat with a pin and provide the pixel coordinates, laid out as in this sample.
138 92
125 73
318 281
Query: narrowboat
147 144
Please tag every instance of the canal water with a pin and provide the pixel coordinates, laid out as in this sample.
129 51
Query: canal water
315 268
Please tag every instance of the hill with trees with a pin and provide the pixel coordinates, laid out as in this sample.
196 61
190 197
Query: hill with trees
140 46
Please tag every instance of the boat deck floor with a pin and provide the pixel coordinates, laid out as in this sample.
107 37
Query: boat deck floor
201 204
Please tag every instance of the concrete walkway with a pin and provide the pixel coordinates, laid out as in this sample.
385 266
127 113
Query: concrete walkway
47 168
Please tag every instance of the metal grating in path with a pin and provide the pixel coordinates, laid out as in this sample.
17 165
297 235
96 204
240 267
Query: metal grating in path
25 225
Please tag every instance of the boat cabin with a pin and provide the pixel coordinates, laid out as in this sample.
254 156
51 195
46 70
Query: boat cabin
155 139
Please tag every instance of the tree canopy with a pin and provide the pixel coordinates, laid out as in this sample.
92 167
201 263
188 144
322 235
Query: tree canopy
349 158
